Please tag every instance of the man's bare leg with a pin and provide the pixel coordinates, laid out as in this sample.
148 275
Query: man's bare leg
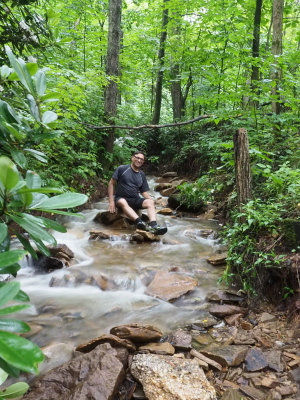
127 210
148 204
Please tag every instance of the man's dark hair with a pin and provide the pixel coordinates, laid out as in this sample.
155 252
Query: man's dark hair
138 152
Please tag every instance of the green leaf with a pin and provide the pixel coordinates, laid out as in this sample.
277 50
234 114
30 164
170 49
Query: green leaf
8 291
37 154
41 190
3 232
22 296
13 325
34 109
20 69
48 117
61 212
50 224
41 247
13 309
20 352
12 269
65 200
11 257
32 225
18 158
8 173
12 371
5 71
15 390
3 376
7 113
33 180
15 132
26 244
40 82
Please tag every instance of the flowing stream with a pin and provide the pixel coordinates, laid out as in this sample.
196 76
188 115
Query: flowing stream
75 310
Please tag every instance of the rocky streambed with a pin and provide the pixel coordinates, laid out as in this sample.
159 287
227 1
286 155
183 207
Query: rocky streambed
121 314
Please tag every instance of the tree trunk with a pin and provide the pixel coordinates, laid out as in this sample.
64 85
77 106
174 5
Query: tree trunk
161 60
255 43
242 167
176 94
112 67
276 51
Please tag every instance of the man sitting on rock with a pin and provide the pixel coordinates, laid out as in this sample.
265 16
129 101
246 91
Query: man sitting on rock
131 182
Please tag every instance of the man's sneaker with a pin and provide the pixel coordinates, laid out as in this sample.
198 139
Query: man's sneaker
158 230
142 226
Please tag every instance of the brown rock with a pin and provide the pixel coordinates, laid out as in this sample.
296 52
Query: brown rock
247 326
96 375
232 394
181 340
169 191
266 317
218 259
221 296
214 364
233 320
226 309
107 218
201 341
148 236
98 235
164 348
162 186
224 334
227 356
170 174
165 211
205 322
63 249
137 333
169 286
113 340
273 358
136 237
170 378
103 282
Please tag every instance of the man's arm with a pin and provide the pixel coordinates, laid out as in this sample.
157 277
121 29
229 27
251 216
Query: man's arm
111 200
146 195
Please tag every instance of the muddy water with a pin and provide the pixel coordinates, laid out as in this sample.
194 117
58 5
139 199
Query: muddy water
78 311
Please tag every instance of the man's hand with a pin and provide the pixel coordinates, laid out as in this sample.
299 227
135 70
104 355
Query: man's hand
112 207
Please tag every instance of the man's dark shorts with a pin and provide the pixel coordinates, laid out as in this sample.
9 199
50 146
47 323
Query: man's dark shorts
134 202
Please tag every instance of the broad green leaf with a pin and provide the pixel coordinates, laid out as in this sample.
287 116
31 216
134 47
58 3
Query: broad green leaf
18 187
20 69
20 352
33 180
50 224
65 200
13 309
26 244
18 158
41 190
12 371
3 232
31 225
8 291
37 154
15 390
13 325
34 109
22 296
12 269
5 71
8 173
48 117
7 113
70 214
41 247
15 132
11 257
32 68
40 82
3 376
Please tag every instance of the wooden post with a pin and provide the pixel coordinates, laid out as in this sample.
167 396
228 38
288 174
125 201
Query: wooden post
242 166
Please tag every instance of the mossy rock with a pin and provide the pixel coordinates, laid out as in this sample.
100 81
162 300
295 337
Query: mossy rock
291 232
175 203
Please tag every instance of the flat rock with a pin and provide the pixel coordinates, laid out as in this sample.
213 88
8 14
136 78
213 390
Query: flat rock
222 310
165 211
218 259
107 218
170 174
205 322
96 375
148 236
221 296
170 378
181 339
252 392
224 334
255 360
266 317
169 286
137 333
169 191
234 319
201 341
63 249
273 358
231 394
56 354
164 348
227 356
162 186
98 235
113 340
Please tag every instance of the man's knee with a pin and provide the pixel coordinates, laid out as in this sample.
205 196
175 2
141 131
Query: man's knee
148 203
122 203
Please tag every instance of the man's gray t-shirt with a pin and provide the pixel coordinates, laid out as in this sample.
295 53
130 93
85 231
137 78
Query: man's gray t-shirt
129 183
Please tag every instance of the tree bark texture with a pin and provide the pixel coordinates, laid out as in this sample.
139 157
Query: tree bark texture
278 6
161 60
255 43
176 94
242 166
112 67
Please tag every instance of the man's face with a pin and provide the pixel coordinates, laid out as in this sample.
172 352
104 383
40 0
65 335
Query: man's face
138 160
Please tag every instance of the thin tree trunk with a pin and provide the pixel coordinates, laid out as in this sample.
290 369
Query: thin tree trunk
255 43
242 167
161 60
112 68
276 73
176 93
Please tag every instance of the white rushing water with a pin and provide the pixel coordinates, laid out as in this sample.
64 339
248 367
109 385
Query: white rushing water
74 310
